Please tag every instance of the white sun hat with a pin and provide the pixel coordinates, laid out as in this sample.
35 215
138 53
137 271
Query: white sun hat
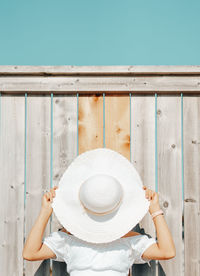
100 197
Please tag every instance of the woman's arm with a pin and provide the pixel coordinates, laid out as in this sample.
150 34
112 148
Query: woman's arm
165 247
34 241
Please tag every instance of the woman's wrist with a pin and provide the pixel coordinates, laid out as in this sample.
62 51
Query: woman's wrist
157 213
154 209
46 211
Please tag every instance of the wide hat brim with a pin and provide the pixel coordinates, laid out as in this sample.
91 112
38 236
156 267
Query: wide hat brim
89 227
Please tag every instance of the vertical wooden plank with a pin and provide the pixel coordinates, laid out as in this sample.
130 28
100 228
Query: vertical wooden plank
169 175
12 185
64 150
117 124
143 159
38 167
191 130
90 123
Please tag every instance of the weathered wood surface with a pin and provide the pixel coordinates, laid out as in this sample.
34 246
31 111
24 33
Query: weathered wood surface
64 151
169 175
12 185
143 159
91 136
191 128
38 166
103 70
98 84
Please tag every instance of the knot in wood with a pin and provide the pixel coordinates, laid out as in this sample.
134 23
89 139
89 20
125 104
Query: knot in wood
95 98
190 200
159 112
118 129
165 204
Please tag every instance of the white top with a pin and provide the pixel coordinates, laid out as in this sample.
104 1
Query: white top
83 258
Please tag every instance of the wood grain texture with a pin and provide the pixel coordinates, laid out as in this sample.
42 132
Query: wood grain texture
38 167
103 70
169 175
64 151
117 135
97 84
143 159
191 129
12 185
117 124
90 124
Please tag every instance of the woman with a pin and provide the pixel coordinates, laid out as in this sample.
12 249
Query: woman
100 197
35 250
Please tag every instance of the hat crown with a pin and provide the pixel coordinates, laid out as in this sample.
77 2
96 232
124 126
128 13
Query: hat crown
101 194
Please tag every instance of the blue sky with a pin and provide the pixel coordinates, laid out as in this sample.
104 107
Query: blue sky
104 32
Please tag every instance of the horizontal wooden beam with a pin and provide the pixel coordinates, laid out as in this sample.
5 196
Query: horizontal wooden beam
99 84
6 70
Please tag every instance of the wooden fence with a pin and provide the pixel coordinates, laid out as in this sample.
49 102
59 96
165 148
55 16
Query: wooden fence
49 115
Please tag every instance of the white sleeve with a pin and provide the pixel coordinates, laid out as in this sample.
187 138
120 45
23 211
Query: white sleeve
56 241
139 244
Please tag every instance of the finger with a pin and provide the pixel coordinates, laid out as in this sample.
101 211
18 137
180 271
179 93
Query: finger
55 187
151 195
154 195
147 194
48 195
51 198
52 192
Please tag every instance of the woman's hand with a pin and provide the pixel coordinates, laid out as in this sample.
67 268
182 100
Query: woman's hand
154 200
47 199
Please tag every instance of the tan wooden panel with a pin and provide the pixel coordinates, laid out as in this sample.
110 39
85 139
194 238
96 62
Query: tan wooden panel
12 185
90 122
105 70
143 153
169 175
191 129
117 124
38 164
110 84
